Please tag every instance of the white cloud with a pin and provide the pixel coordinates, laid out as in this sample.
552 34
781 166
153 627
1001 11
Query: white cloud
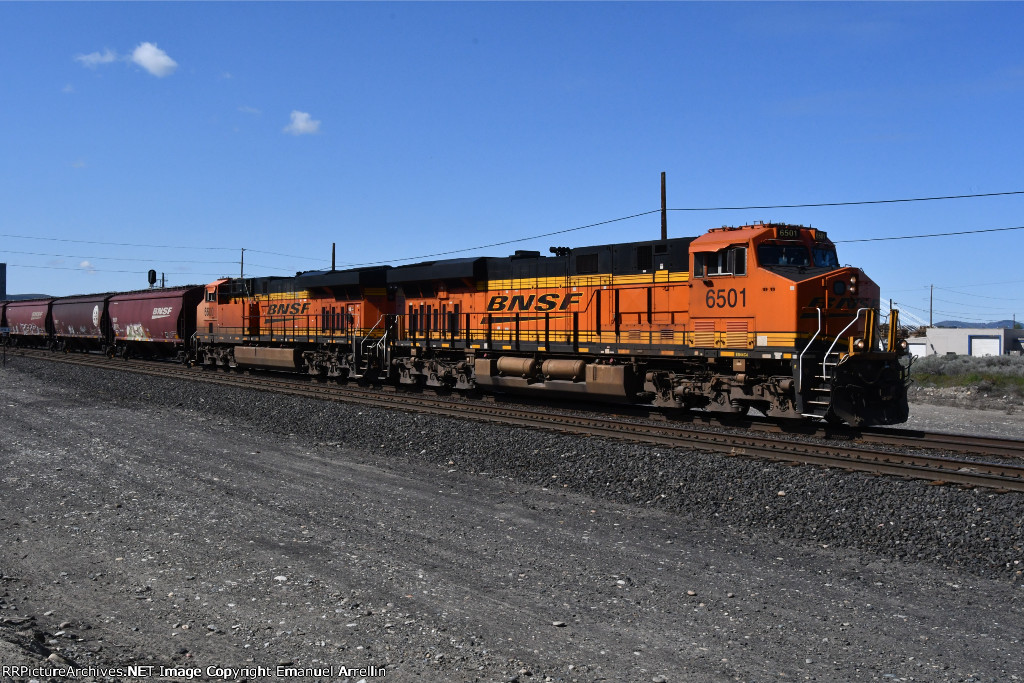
68 89
154 60
249 110
87 267
94 59
302 124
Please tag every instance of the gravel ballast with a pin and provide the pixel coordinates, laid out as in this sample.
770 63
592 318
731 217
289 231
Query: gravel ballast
492 552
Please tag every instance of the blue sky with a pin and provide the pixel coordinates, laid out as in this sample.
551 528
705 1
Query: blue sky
408 129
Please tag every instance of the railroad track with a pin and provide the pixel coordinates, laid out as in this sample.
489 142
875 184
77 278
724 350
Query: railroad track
869 450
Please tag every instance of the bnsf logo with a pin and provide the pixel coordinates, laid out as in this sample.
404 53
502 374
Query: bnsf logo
287 309
162 312
544 302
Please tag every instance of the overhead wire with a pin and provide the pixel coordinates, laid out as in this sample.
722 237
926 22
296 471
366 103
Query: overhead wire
575 229
105 258
115 244
935 234
857 203
87 269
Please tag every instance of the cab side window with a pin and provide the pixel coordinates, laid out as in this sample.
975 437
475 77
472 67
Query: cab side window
728 261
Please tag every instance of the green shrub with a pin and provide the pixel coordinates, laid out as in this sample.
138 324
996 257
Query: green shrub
988 374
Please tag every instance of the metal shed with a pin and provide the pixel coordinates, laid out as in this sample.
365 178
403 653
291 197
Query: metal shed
967 341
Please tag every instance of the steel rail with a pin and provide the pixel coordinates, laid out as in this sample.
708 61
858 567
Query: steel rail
938 469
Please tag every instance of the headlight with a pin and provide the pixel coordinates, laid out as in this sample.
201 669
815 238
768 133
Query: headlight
839 287
904 345
859 344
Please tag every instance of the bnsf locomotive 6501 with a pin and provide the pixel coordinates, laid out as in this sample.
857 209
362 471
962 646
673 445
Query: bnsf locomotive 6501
760 316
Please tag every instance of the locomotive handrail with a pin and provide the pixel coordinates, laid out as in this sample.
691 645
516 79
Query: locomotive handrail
838 336
800 362
362 344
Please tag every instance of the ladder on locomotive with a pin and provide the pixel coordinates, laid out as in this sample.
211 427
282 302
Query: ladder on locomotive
373 353
821 398
823 379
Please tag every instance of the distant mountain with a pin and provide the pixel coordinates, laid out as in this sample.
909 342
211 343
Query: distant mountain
23 297
998 324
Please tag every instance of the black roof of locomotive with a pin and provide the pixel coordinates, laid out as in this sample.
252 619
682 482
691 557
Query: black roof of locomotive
316 279
625 258
614 259
375 276
449 269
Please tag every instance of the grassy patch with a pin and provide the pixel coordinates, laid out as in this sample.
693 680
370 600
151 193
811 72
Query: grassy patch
1002 374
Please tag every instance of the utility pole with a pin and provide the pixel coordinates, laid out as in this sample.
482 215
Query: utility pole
241 273
664 210
931 302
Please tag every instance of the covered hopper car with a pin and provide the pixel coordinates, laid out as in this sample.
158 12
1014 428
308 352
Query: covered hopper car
81 323
28 322
153 323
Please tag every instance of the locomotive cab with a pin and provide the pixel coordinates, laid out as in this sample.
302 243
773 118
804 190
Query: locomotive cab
799 329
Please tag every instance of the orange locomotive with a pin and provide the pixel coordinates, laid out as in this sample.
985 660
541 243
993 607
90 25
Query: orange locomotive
328 323
760 316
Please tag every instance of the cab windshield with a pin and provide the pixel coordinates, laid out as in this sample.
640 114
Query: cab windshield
825 257
782 255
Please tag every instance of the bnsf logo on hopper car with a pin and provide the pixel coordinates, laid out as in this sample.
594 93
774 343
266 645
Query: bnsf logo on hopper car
164 312
287 309
544 302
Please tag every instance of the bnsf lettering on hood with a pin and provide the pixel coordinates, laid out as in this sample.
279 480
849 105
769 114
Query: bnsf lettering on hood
287 309
532 302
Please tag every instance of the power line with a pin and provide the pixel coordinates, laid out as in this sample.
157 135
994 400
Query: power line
970 284
903 306
733 208
115 244
87 269
591 225
936 234
108 258
988 284
858 203
505 242
274 253
972 306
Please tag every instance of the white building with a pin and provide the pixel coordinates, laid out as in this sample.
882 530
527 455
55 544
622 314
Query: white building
968 341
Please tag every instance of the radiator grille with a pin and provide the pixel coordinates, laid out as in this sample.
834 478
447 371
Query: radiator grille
736 334
704 333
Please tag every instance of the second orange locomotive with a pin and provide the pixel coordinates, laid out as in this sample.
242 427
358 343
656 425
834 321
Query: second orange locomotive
760 316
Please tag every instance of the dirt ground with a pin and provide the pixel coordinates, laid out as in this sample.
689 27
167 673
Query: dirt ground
160 536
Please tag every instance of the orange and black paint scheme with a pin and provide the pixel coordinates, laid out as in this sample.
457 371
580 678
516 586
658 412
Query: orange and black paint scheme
760 316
